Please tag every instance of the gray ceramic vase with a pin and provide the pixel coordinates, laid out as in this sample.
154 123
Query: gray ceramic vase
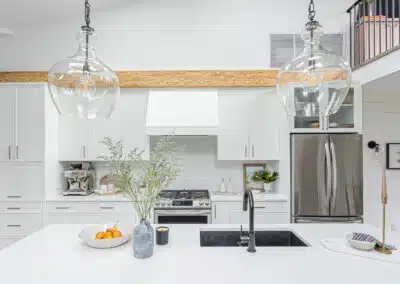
143 240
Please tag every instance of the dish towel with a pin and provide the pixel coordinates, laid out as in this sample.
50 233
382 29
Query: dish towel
368 238
340 245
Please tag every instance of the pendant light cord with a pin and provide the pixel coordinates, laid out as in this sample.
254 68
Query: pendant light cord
88 30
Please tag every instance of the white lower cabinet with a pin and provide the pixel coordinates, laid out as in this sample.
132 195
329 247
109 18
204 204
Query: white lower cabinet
21 182
264 213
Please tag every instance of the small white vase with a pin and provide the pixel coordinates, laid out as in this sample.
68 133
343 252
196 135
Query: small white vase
268 187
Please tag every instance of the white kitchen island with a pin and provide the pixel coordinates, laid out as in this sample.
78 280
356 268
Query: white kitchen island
56 255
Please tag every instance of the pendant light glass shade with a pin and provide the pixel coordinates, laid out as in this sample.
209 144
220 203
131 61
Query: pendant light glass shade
81 85
317 81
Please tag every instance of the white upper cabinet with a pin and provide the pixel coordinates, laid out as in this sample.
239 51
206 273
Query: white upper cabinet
234 121
7 122
30 124
249 125
267 116
73 139
347 119
80 139
22 123
127 123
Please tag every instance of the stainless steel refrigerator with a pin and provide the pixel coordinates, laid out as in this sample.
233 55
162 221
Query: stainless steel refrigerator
326 178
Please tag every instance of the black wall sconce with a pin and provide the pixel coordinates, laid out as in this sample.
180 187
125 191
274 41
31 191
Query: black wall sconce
373 145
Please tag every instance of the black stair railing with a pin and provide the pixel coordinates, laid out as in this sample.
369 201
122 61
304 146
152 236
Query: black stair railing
374 30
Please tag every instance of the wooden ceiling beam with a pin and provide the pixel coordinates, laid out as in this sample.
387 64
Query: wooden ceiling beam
184 78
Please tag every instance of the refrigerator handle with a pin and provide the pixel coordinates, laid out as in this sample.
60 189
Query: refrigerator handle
329 175
334 172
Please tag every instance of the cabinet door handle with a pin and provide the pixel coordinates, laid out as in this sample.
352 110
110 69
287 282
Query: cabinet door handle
14 196
84 151
9 152
252 150
17 152
14 226
245 151
13 208
62 207
215 211
107 207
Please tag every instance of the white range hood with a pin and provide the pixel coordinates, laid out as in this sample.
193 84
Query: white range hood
182 112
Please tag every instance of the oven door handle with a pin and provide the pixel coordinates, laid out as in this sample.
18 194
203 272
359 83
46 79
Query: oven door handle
182 212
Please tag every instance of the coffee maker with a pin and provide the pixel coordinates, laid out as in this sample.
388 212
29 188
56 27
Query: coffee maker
80 179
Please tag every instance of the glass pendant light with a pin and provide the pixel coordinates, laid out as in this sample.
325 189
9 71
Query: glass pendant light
317 81
81 85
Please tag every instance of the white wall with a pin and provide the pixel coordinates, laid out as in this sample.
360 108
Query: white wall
173 34
381 121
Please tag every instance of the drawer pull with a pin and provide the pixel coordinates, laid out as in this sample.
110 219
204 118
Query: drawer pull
14 196
14 226
13 208
107 208
62 207
260 207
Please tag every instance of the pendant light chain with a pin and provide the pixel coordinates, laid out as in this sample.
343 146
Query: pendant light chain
87 13
311 11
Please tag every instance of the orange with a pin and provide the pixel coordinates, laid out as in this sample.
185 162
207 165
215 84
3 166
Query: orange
108 235
117 234
100 235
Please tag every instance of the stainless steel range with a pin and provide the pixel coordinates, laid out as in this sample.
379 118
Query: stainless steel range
183 207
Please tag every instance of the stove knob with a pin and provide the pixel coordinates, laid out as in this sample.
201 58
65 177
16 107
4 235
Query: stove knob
157 203
162 203
201 202
207 202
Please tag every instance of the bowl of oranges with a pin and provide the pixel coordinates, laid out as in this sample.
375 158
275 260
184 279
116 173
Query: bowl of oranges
106 236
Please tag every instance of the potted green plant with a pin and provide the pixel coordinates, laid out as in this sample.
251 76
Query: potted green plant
268 177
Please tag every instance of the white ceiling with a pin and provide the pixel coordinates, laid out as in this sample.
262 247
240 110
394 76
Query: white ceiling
20 13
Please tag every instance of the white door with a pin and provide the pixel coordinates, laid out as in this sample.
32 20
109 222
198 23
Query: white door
7 111
127 123
30 124
220 212
73 139
233 147
266 119
233 134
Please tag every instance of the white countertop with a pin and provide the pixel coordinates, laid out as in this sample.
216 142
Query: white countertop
56 255
270 197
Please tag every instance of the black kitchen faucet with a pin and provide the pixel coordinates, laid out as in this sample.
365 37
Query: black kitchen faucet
249 199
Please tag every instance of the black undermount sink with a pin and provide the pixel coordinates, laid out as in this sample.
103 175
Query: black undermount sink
263 239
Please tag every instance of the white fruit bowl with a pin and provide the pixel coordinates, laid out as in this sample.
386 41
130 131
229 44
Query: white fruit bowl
360 245
88 236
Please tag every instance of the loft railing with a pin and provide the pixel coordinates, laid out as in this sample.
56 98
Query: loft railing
374 30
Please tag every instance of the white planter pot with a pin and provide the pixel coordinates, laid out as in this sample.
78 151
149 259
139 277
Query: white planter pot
268 187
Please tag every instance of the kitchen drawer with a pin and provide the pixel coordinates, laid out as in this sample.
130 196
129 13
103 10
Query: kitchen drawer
20 207
21 182
93 219
89 207
4 242
19 225
272 207
242 217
